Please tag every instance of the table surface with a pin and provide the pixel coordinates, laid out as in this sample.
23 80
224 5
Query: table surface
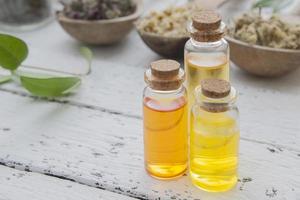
89 145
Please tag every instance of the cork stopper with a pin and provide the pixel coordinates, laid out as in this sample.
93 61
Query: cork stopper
206 20
165 68
207 26
164 75
215 95
215 88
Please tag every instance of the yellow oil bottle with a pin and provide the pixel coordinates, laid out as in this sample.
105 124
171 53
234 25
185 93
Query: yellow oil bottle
214 137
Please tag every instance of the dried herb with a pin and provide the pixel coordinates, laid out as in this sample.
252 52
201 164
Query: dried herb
273 32
170 22
98 9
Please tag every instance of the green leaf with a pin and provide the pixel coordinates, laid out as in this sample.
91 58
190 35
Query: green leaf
50 87
263 3
13 52
282 5
5 79
275 4
88 55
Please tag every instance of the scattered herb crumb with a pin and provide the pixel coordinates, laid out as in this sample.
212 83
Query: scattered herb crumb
271 193
271 150
243 181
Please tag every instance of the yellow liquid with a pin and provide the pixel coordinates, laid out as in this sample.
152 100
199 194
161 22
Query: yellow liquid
214 151
200 66
165 138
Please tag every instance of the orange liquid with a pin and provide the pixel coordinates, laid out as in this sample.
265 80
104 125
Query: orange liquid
165 137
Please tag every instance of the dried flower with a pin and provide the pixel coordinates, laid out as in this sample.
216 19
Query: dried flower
272 32
98 9
170 22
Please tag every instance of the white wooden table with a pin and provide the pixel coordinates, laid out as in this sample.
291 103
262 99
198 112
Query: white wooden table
90 145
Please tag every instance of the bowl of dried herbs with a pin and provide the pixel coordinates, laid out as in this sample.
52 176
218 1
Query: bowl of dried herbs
263 43
99 22
164 31
268 47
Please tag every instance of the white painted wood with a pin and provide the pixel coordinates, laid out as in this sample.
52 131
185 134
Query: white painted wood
80 139
116 83
269 107
106 150
16 185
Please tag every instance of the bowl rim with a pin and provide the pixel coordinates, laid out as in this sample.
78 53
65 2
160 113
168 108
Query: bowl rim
137 13
264 48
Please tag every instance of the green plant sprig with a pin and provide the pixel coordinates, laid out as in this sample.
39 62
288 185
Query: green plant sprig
13 51
276 5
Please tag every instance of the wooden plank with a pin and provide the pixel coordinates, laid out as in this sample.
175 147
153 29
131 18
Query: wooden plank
268 106
16 185
105 150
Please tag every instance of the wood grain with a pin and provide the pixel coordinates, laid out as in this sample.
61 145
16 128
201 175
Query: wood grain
105 150
16 185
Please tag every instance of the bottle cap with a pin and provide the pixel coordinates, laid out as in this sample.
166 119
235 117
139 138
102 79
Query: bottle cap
165 68
206 20
215 88
164 75
207 26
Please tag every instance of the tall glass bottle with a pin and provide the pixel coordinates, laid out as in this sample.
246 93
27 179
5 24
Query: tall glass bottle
165 120
207 52
214 136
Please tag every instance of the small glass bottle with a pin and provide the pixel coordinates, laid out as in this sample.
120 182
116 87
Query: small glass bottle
214 139
207 52
165 120
23 15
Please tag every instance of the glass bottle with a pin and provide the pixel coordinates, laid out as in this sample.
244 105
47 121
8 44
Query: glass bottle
206 52
214 139
165 120
23 15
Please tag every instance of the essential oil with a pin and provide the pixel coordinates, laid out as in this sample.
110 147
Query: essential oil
214 139
207 52
165 120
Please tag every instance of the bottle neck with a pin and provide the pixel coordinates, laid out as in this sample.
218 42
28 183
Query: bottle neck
206 44
215 105
167 92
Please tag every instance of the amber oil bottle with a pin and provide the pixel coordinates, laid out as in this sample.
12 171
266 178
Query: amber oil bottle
165 120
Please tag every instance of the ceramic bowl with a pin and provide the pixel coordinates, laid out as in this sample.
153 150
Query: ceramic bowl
170 47
100 32
265 61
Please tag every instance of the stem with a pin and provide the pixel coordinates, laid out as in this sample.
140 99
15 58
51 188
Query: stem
57 71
